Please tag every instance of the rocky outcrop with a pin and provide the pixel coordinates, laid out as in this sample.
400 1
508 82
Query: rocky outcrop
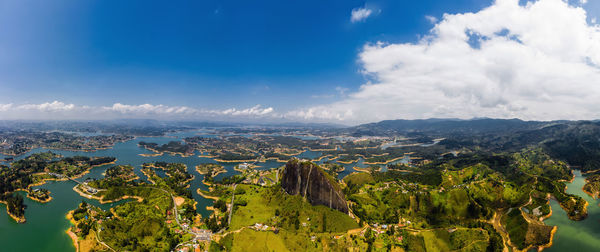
310 181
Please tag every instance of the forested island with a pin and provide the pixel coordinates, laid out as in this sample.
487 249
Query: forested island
34 170
210 169
162 216
172 147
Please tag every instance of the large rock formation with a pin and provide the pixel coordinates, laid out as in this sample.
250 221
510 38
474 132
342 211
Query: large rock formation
310 181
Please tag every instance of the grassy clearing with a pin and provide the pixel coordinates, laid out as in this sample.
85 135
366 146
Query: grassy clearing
360 178
274 207
251 240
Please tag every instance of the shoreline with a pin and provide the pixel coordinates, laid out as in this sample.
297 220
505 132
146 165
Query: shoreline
72 235
149 178
207 156
160 153
325 156
385 162
219 171
552 233
235 161
199 191
367 170
150 155
348 162
16 218
323 150
101 199
594 195
277 159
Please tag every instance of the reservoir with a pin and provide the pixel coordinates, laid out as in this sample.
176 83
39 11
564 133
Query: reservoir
46 222
576 235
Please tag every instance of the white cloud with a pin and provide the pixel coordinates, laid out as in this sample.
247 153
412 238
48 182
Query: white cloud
5 107
48 106
150 109
257 110
360 14
537 61
59 110
431 19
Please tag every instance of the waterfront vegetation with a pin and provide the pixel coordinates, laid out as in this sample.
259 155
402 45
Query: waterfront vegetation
18 142
210 169
466 192
171 147
592 185
149 223
34 170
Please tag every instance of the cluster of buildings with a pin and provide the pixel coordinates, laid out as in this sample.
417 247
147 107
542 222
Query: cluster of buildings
56 175
264 227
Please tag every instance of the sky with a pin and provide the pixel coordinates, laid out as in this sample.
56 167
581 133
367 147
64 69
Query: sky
345 61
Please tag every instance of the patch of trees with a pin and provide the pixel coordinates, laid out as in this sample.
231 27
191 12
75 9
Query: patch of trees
14 203
215 223
235 156
172 146
426 177
221 205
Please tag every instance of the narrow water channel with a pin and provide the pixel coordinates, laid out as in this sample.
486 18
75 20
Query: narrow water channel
576 235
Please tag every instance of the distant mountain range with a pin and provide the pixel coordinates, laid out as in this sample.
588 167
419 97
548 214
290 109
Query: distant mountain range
447 126
577 142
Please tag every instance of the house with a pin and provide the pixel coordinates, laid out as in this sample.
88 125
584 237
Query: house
203 235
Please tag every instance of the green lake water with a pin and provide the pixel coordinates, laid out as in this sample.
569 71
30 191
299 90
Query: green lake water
46 223
576 235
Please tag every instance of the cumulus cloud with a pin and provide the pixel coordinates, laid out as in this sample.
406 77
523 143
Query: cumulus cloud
535 61
360 14
61 110
150 109
48 106
257 110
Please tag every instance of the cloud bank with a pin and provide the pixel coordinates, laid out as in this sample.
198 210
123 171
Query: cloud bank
61 110
534 61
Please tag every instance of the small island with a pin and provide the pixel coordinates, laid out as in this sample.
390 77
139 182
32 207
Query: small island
592 185
173 147
210 168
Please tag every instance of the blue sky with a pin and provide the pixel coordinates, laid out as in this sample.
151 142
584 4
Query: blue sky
210 55
215 54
